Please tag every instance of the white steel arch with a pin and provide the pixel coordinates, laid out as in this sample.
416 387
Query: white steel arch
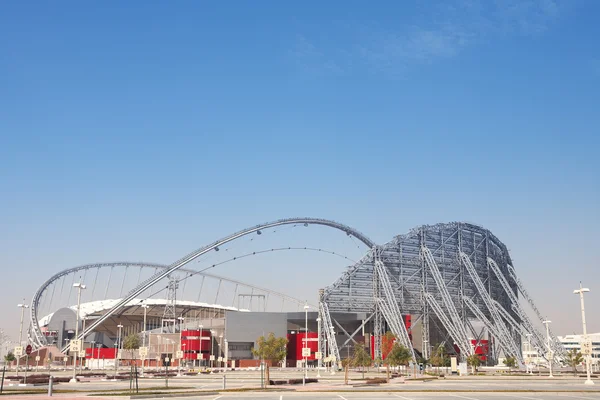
203 250
39 339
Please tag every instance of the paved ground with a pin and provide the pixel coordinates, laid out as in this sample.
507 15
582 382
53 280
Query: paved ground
331 387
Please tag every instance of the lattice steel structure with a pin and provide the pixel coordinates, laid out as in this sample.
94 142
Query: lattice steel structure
438 273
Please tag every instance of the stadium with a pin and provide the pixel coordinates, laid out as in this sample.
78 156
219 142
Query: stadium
450 286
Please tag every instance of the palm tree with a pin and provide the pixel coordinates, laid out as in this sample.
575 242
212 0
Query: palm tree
574 358
9 358
474 361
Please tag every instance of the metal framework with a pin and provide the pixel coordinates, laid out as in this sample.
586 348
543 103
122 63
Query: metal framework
455 280
389 306
431 270
555 344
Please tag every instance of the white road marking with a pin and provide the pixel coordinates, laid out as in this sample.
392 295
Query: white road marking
522 397
464 397
402 397
281 397
342 397
574 397
217 398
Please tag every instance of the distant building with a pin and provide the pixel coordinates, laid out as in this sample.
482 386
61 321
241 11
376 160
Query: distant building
574 342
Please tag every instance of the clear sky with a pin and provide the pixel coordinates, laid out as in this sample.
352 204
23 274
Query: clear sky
140 132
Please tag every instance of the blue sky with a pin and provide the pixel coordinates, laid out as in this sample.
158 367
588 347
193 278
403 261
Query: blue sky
141 133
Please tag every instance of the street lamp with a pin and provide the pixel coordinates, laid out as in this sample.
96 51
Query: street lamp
550 352
80 286
145 307
200 340
319 363
306 307
93 342
588 349
181 319
23 306
528 360
117 348
220 350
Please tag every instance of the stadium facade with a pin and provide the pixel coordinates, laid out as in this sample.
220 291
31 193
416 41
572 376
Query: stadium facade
451 285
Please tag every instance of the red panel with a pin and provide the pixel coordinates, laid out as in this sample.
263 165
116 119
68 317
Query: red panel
291 347
101 353
296 341
482 348
191 343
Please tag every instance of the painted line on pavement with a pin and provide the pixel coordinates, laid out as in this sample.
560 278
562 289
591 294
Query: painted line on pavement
402 397
464 397
522 397
342 397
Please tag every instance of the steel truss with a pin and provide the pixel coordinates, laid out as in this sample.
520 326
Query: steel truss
328 341
389 306
502 332
454 324
508 345
465 348
526 326
555 344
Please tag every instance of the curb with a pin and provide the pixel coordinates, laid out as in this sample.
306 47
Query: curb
167 395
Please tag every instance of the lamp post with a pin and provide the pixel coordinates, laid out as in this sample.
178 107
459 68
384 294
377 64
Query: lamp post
23 306
319 363
588 357
306 307
145 307
181 319
550 353
93 342
334 362
528 359
200 340
220 350
117 350
80 286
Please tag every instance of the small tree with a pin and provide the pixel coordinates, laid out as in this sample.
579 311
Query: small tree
574 358
438 359
399 355
387 344
271 349
510 362
473 361
9 358
132 342
361 358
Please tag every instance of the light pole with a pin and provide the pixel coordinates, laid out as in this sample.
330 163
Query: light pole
588 357
92 358
528 359
306 307
145 307
117 350
550 353
80 286
181 319
200 340
23 306
220 350
319 363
